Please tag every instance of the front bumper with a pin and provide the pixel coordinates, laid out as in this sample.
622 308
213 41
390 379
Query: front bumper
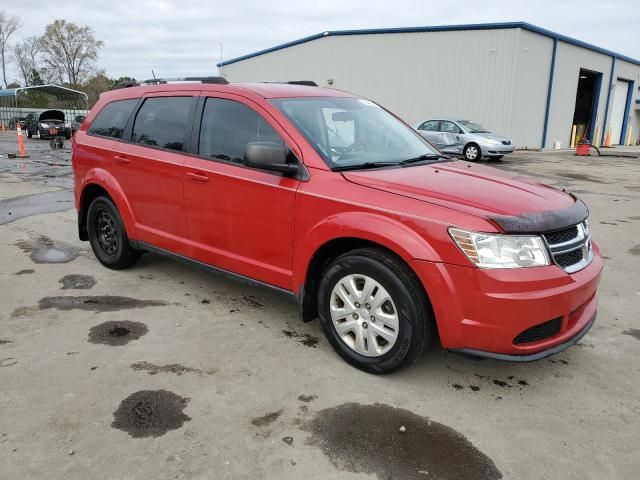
482 311
496 150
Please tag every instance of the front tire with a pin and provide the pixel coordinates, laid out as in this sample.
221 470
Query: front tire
373 311
472 152
108 237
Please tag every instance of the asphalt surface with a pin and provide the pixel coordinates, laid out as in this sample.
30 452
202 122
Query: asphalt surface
165 371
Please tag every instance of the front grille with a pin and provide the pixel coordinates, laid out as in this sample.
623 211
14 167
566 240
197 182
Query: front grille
562 236
539 332
506 142
571 247
570 258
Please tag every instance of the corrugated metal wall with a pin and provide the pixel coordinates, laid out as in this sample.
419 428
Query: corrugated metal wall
467 74
496 77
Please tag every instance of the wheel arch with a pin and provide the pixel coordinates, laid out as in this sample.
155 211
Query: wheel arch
322 247
96 183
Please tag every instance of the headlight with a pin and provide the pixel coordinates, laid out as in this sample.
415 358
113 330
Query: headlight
44 125
491 141
487 250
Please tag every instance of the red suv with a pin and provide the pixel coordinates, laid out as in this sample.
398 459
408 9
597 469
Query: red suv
334 200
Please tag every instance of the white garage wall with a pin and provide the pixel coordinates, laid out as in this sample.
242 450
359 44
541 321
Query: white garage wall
467 74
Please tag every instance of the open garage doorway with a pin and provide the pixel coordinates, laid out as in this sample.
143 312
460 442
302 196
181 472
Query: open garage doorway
587 95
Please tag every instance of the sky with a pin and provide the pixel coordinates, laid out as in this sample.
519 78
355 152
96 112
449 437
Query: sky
182 38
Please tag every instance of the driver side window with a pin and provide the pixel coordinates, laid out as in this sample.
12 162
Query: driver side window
449 127
429 126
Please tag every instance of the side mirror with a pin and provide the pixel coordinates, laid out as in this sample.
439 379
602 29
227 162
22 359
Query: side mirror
269 156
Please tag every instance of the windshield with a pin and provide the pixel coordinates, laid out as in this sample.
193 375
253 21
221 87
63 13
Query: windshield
473 127
352 132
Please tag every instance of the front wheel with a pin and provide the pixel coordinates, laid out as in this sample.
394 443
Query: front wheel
472 152
108 237
373 311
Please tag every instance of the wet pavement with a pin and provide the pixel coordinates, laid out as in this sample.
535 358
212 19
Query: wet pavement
166 372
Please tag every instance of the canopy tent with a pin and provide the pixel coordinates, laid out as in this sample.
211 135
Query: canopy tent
17 102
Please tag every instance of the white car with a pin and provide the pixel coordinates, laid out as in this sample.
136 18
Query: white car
462 137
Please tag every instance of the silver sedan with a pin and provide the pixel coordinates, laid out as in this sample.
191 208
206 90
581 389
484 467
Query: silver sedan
462 137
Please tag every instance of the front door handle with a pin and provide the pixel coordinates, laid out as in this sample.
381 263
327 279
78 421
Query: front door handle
121 159
198 177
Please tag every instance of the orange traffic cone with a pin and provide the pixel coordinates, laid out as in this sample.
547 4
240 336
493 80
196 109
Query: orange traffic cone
607 139
23 153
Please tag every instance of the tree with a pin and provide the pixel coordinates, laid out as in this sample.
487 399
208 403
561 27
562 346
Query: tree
95 86
70 51
122 81
8 25
25 55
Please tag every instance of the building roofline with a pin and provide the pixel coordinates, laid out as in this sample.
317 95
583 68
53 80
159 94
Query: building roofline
437 28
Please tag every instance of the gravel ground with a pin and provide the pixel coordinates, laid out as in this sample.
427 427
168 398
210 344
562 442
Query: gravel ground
165 371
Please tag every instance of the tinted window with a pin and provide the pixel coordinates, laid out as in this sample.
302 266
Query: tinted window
430 126
449 127
228 126
111 120
161 122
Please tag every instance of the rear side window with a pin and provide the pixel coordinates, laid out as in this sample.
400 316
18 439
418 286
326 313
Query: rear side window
161 122
430 126
111 120
227 127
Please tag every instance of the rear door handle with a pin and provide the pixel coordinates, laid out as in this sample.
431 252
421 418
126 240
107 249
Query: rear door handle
121 159
198 177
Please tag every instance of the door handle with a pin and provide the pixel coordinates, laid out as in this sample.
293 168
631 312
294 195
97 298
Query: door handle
198 177
121 159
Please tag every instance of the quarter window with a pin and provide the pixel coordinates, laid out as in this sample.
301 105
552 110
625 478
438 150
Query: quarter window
111 120
161 122
228 126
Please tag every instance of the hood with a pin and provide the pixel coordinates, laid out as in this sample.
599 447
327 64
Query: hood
493 136
51 115
513 202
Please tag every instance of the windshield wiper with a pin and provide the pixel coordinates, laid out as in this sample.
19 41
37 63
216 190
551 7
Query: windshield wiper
423 158
365 165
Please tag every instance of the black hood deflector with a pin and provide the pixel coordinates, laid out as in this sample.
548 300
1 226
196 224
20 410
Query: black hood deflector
52 115
541 222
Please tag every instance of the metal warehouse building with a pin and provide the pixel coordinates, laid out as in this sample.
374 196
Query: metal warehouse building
515 78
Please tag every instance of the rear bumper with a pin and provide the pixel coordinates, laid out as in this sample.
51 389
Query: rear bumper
481 312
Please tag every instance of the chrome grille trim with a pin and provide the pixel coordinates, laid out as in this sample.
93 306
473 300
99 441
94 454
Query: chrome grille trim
582 241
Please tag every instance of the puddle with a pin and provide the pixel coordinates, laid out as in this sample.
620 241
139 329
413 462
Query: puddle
15 208
367 439
4 342
633 332
150 413
635 250
101 303
8 362
27 271
77 282
115 333
45 250
174 368
267 419
307 398
304 338
579 176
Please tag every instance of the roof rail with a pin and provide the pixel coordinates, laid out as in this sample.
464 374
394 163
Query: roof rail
308 83
162 81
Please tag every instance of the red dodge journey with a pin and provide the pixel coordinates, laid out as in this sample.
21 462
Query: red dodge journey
334 200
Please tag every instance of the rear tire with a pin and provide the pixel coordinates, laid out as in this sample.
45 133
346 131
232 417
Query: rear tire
29 134
472 152
372 334
108 237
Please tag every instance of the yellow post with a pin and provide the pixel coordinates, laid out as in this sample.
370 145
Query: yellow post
573 136
596 141
628 139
